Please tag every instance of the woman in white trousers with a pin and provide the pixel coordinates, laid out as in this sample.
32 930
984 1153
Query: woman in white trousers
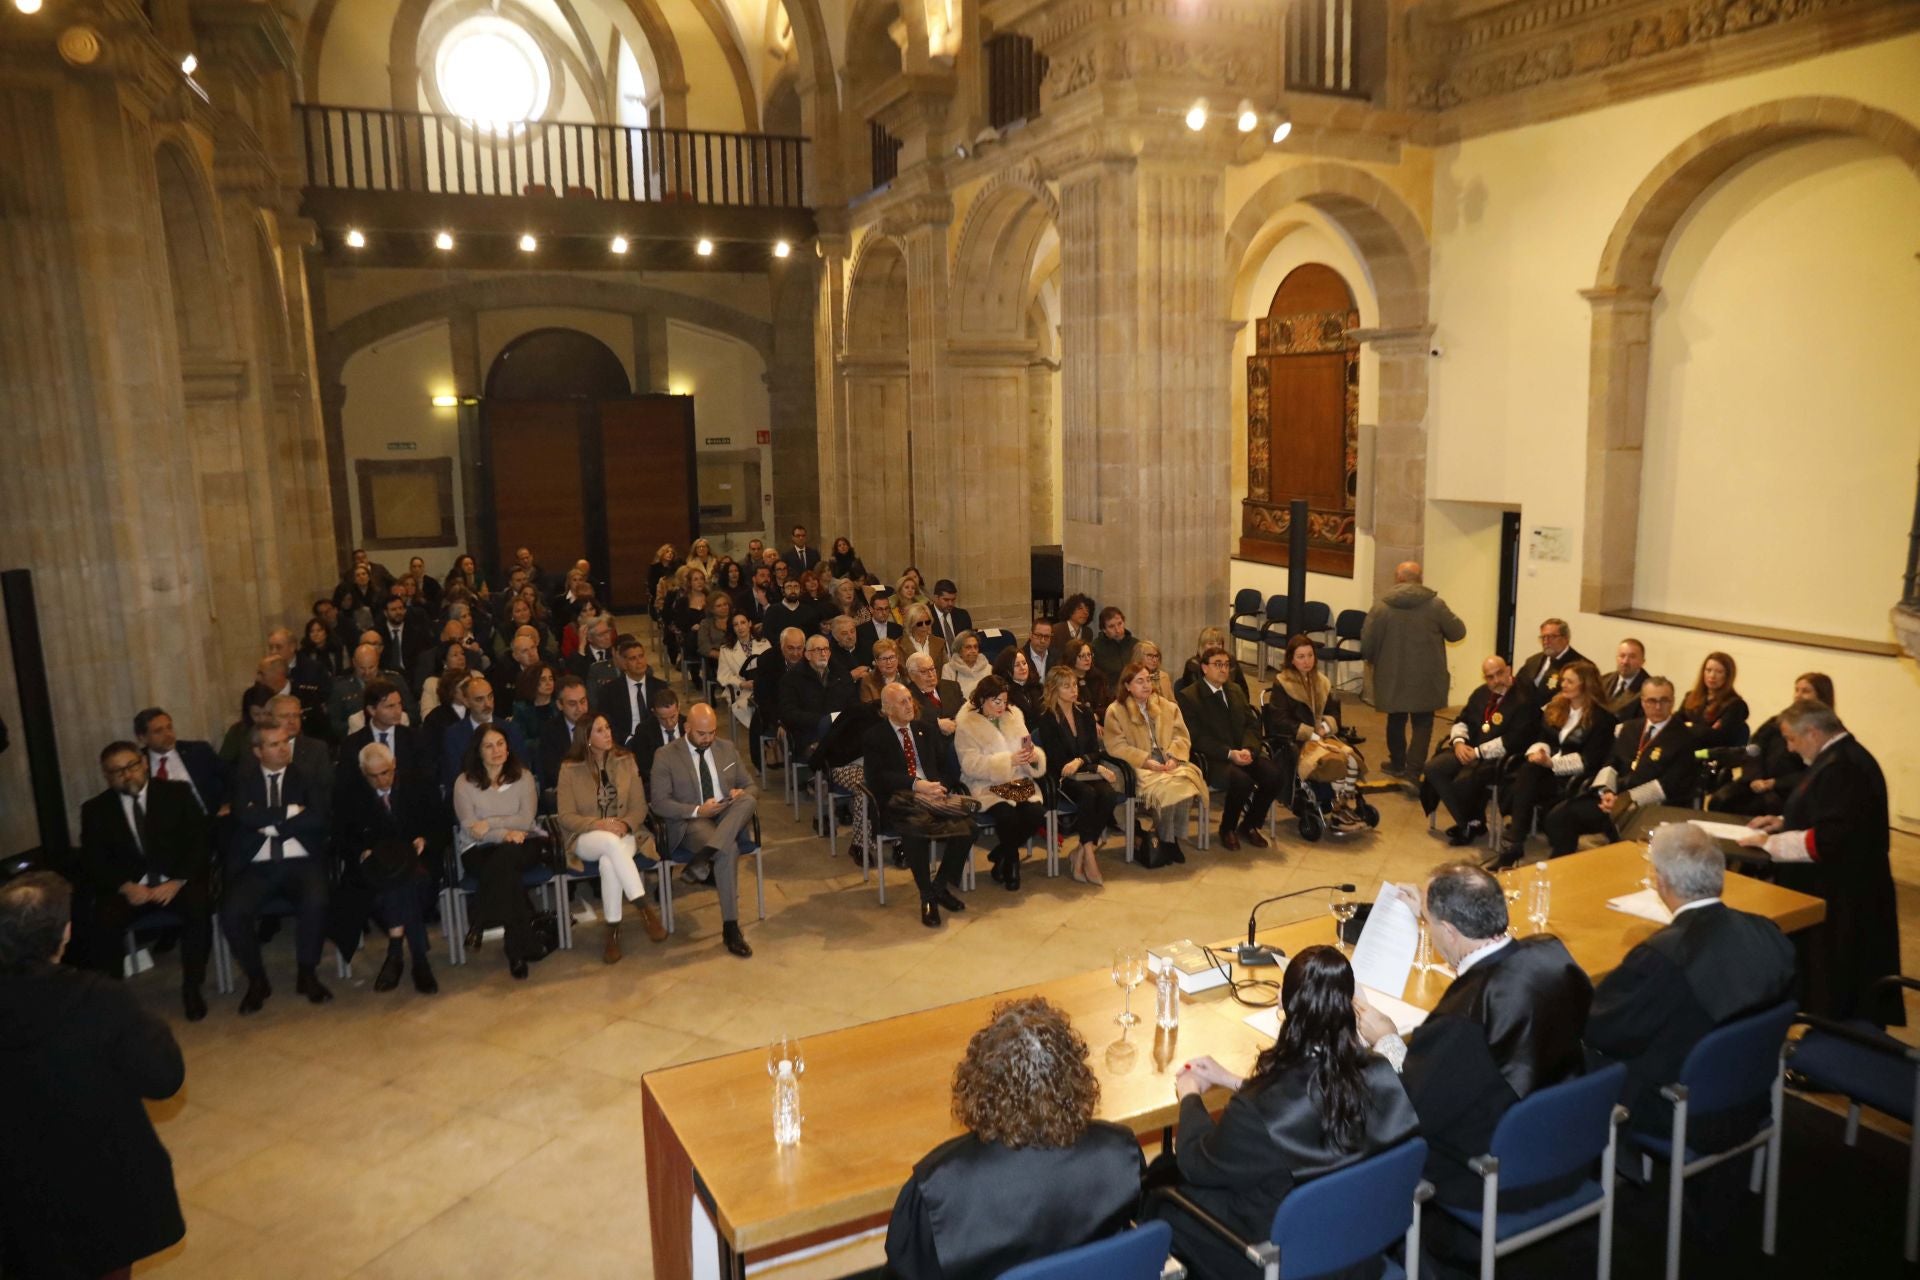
602 807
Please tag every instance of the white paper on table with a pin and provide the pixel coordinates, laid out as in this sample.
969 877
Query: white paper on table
1383 958
1405 1016
1722 830
1646 904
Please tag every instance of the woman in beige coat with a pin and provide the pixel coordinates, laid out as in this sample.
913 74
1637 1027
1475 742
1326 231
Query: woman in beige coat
996 750
1149 733
602 808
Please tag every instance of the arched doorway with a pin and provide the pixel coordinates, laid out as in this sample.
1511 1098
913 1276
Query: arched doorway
577 467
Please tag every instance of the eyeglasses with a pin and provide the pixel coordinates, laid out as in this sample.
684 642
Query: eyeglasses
922 623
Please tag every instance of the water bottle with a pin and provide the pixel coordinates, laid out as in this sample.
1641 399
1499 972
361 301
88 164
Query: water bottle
786 1106
1166 1004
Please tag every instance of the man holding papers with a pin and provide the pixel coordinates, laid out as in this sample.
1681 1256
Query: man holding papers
1711 965
707 799
1509 1024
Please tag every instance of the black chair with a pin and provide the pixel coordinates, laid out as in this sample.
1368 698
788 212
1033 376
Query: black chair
1244 622
1274 626
1316 618
1867 1067
1346 628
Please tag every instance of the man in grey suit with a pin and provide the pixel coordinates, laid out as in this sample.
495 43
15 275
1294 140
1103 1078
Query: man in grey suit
706 797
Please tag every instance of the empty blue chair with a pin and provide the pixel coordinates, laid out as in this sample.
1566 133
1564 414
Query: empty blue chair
1733 1067
1138 1254
1316 618
1867 1067
1340 1219
1549 1135
995 641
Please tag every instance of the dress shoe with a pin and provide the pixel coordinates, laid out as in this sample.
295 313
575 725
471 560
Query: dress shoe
258 989
947 898
475 936
1465 834
423 980
518 968
308 985
610 954
194 1002
1253 837
1075 866
1170 851
389 976
1229 841
736 943
1511 856
650 921
930 914
999 872
1011 880
899 857
1090 866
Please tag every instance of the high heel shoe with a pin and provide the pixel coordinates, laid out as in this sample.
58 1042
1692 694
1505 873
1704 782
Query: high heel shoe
1077 864
1090 864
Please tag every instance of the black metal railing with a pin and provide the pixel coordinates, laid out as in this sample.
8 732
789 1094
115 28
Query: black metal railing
373 149
1014 72
1336 46
886 153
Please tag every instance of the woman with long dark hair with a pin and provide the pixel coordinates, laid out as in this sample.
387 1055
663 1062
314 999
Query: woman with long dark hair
1714 710
495 803
844 562
1575 734
1318 1100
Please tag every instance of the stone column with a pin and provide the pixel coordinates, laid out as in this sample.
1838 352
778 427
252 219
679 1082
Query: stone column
1616 432
921 226
987 441
1399 480
1043 477
791 403
830 388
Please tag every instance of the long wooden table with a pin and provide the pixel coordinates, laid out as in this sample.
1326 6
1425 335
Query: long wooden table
875 1096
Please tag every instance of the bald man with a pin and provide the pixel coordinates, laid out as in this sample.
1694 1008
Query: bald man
1494 727
1405 639
905 754
706 797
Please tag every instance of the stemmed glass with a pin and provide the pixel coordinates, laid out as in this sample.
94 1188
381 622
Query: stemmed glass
1129 968
1510 886
1343 905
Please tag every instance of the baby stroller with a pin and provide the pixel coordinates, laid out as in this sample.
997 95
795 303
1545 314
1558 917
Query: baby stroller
1330 800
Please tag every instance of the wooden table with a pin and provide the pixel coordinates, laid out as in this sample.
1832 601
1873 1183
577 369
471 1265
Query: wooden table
876 1096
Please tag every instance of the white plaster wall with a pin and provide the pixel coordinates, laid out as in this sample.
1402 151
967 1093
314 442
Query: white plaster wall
1520 219
390 386
727 381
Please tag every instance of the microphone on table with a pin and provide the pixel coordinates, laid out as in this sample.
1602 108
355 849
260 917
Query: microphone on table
1252 953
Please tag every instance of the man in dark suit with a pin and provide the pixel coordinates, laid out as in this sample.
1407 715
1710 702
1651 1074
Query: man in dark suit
1508 1025
310 755
143 847
767 679
1652 763
595 661
1541 672
800 557
939 702
1494 727
811 694
556 739
387 835
347 690
1621 690
949 619
387 725
903 753
478 695
1040 650
1227 733
624 700
1833 841
175 759
276 846
661 728
402 638
878 626
1711 965
523 656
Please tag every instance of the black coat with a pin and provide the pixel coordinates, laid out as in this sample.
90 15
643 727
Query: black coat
312 826
1841 803
1668 760
1591 739
176 838
781 615
1217 727
646 743
1711 965
1509 1025
806 698
1725 728
974 1209
85 1185
556 739
1529 673
1062 746
415 639
409 756
206 773
611 700
1519 718
885 764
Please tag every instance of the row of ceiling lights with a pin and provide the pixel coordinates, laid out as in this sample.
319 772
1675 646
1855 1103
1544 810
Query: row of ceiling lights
1246 119
529 243
188 64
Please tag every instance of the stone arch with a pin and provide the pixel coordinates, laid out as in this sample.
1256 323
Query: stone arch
556 363
782 111
1622 298
1384 231
874 371
993 266
877 298
196 260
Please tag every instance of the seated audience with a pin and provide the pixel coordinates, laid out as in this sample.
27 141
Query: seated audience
949 619
1228 743
1039 648
402 638
1087 778
844 562
355 596
1149 656
790 611
318 663
1016 673
495 804
533 705
809 695
1113 647
883 671
1211 637
584 612
625 699
1075 621
707 801
1302 708
1494 729
1077 657
477 695
1714 711
348 690
466 571
738 656
844 635
1509 1024
1622 693
713 630
659 576
964 665
662 728
86 1188
800 555
389 836
1542 670
1318 1100
700 556
904 758
1034 1174
918 637
1571 744
601 804
171 758
143 848
1768 771
276 847
770 673
849 604
940 700
562 731
906 596
998 764
595 660
310 755
1711 965
879 624
1149 734
1651 762
451 709
385 723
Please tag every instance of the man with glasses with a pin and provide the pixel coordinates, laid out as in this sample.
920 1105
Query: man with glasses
1652 763
1542 671
1226 733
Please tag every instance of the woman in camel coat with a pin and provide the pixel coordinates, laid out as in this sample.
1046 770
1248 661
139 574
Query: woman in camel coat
1149 733
602 808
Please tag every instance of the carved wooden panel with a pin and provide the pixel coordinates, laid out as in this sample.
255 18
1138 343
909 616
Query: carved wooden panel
405 503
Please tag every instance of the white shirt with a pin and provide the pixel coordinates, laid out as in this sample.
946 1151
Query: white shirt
1491 949
126 807
1038 661
1392 1047
1791 846
633 697
288 848
1697 902
879 623
704 755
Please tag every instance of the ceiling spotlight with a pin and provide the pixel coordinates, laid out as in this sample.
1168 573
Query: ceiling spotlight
355 240
528 244
781 248
446 402
188 64
1281 130
619 244
1197 116
1249 119
443 241
704 248
27 6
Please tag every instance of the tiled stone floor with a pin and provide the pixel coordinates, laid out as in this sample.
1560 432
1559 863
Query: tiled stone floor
496 1127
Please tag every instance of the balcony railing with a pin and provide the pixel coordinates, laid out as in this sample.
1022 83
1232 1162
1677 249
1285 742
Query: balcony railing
372 149
886 153
1336 46
1014 72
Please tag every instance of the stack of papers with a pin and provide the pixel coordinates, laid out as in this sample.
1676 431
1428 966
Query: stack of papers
1722 830
1646 904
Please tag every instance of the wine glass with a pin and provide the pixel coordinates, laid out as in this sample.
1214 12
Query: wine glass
1510 887
1129 967
1646 856
1343 905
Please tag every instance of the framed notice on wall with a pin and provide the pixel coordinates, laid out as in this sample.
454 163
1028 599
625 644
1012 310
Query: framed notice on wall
405 503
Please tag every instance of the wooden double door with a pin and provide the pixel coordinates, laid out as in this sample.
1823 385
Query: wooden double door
609 480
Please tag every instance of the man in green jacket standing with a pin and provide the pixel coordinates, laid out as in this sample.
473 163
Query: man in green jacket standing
1406 640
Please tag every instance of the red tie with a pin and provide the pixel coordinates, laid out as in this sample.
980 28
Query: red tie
906 745
1646 736
161 772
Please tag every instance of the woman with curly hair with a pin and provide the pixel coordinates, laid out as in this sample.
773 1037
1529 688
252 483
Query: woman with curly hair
1034 1174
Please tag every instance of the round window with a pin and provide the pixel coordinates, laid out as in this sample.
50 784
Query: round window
490 71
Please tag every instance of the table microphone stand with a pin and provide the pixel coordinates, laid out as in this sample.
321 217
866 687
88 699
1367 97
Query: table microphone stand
1251 953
